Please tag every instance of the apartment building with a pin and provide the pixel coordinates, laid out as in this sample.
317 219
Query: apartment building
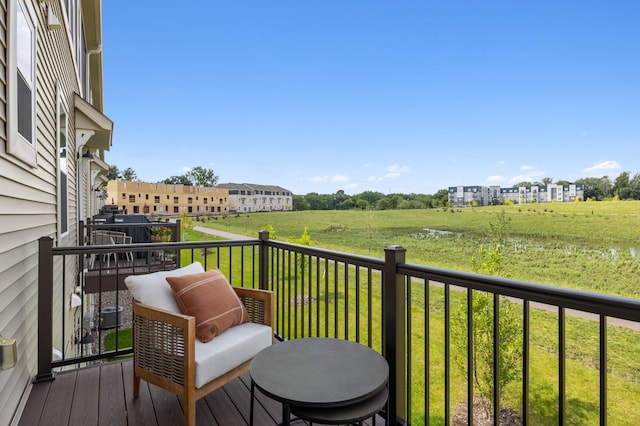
475 195
248 197
484 196
159 199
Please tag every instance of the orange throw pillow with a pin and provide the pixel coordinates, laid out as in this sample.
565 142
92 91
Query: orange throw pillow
208 297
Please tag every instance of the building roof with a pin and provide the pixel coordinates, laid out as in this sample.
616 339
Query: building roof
252 187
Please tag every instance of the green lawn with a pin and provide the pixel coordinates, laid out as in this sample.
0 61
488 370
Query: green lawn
583 245
124 336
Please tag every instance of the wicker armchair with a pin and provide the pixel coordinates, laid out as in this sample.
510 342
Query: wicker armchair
165 349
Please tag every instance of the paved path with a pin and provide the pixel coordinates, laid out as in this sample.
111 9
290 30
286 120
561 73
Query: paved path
218 233
569 312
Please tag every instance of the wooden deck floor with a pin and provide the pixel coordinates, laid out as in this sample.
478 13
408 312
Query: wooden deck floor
102 395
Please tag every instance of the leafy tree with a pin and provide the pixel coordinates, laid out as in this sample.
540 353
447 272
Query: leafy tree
634 184
426 201
319 201
371 197
186 223
563 182
305 239
272 232
339 197
302 261
621 186
384 204
440 198
300 203
129 174
395 200
113 173
410 204
546 181
596 188
362 204
200 176
178 180
489 262
346 204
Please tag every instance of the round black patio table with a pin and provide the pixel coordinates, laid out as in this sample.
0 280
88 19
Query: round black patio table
321 374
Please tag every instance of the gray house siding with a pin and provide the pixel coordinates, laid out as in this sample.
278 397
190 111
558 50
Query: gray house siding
29 199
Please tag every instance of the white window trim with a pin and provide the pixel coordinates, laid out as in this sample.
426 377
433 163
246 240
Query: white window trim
18 146
61 106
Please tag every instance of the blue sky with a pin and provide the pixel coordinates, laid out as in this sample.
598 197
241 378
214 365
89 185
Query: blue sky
389 96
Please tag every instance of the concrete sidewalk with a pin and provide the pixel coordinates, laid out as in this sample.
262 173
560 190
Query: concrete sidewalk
222 234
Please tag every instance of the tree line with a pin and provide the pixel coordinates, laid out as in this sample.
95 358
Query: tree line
625 187
369 200
197 176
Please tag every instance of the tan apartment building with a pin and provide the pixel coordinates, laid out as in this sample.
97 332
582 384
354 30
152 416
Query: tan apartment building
159 199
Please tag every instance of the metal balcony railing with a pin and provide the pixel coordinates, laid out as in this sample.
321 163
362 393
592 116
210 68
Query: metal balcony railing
424 320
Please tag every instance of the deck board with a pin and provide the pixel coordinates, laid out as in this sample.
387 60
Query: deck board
57 407
112 408
103 395
139 410
85 398
35 404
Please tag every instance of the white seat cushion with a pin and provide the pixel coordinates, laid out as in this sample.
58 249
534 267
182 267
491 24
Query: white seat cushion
228 350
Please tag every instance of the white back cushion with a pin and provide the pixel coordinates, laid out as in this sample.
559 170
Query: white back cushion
154 290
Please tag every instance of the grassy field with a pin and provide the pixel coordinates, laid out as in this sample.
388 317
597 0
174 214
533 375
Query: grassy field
586 245
582 245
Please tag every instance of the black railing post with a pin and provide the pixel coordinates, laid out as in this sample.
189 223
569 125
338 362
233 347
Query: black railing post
176 238
176 232
45 297
263 268
394 332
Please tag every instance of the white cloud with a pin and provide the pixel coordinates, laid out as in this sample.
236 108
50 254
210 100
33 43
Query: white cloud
528 177
521 178
334 178
352 185
339 178
603 168
397 170
502 163
392 171
185 169
496 179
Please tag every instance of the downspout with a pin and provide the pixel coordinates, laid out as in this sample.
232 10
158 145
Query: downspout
82 137
96 51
